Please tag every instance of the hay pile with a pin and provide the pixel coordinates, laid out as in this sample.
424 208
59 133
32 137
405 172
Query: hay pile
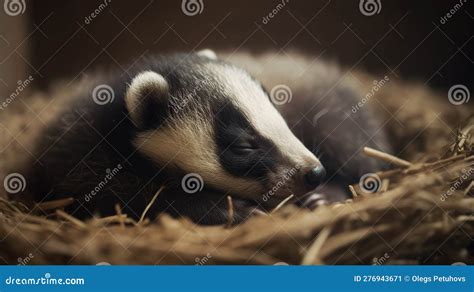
422 213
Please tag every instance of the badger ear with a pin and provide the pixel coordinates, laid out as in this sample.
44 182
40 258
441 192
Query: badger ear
208 53
146 99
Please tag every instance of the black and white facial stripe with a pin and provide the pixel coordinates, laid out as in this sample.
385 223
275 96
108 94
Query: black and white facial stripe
242 150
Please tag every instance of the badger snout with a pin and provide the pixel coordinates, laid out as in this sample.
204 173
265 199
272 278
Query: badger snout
314 176
303 180
308 178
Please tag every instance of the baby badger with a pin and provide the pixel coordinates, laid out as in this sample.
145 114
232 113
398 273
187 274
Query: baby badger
202 128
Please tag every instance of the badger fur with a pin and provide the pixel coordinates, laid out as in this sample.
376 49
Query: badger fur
196 119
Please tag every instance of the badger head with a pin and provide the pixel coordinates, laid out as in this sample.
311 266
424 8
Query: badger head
200 115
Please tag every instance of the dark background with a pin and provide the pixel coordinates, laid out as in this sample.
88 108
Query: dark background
405 38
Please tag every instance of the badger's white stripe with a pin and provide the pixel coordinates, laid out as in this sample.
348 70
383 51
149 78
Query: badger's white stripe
264 117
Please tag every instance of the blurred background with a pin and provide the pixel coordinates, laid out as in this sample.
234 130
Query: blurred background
426 41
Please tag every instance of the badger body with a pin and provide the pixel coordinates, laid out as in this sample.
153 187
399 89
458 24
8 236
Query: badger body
203 129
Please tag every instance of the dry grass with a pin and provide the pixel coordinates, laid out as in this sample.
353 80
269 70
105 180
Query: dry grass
423 213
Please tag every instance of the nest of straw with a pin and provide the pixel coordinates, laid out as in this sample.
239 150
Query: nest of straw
422 213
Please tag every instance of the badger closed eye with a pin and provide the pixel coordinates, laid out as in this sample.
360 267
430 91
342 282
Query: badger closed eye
243 148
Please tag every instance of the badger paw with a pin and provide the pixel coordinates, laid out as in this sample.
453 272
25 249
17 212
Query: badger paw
312 200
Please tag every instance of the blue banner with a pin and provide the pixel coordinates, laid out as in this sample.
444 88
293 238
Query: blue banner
237 278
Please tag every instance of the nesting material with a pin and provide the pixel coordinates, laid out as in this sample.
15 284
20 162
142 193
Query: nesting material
424 214
421 212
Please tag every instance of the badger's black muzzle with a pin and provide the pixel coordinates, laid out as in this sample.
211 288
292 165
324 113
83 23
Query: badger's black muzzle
314 176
